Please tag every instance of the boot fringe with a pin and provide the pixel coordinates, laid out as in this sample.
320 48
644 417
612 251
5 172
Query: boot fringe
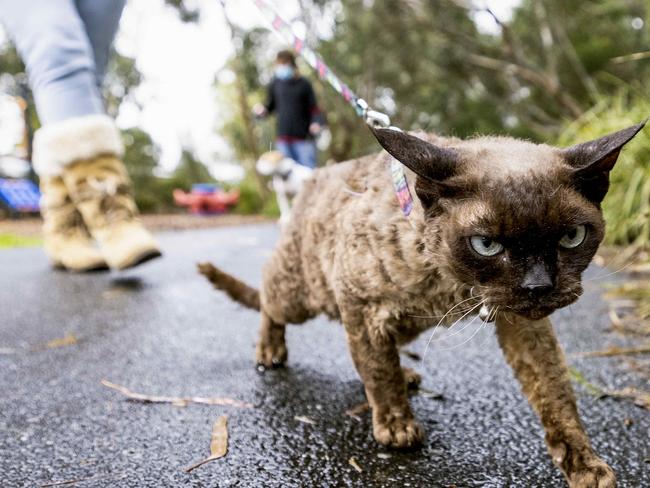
63 143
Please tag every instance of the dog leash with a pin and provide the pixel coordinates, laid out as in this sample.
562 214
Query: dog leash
373 118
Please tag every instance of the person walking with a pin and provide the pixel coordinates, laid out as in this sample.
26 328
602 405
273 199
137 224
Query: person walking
299 119
90 218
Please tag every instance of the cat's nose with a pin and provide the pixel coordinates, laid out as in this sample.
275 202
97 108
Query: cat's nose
537 280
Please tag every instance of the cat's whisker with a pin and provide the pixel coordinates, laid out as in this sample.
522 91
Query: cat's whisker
449 332
443 318
458 331
593 278
483 324
487 337
482 327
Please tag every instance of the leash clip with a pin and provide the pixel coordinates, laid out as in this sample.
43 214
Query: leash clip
372 117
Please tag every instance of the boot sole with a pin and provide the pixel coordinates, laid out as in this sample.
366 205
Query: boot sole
140 259
93 269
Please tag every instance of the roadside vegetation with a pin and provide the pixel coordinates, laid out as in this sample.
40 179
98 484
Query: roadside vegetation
13 240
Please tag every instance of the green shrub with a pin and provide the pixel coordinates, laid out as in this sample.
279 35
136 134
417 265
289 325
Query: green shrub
627 205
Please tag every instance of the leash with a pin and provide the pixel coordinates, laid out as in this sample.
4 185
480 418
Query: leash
373 118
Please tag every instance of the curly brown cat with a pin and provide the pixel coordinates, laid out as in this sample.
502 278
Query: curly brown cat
497 222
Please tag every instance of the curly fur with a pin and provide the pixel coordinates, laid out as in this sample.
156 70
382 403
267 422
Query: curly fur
353 256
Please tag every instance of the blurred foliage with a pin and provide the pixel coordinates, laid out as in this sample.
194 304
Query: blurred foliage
251 202
627 205
122 78
154 193
426 64
10 62
556 69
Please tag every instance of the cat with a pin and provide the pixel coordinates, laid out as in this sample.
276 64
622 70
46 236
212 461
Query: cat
498 224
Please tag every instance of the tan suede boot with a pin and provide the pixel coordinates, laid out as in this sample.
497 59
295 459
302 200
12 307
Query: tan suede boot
86 151
66 240
100 188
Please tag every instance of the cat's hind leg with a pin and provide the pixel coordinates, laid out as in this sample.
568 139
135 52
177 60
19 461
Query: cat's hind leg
537 360
283 299
271 349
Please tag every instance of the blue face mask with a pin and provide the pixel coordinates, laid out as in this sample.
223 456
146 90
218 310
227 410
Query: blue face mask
284 72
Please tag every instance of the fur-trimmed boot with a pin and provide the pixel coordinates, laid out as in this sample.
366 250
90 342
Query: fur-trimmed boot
86 151
66 239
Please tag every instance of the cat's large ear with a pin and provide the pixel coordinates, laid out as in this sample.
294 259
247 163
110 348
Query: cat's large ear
594 160
427 160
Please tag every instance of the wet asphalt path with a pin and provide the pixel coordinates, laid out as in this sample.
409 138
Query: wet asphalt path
162 330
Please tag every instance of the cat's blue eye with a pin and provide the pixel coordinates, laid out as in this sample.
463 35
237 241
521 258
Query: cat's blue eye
485 246
574 237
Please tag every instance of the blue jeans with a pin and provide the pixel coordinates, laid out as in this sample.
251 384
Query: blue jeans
303 152
65 46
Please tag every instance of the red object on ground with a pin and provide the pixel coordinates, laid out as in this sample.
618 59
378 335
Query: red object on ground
201 202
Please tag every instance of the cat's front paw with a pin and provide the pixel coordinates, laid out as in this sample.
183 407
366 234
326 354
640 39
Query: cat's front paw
593 474
397 429
270 354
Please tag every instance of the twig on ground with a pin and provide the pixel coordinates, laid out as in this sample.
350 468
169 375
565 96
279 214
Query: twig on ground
176 401
357 410
304 419
639 397
81 480
614 351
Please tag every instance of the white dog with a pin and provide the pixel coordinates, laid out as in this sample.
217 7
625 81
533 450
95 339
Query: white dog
287 176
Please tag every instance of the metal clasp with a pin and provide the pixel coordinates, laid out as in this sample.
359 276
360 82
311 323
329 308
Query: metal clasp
372 117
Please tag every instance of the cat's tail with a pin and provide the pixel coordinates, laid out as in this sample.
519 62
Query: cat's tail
234 288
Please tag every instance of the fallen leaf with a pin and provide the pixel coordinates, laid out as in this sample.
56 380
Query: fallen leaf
67 340
412 355
176 401
615 319
355 411
434 395
353 462
627 422
305 420
218 442
615 351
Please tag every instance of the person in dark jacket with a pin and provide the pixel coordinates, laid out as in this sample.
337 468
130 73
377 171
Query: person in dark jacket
291 97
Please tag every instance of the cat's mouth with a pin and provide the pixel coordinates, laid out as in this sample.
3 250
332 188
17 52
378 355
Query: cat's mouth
543 307
536 313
